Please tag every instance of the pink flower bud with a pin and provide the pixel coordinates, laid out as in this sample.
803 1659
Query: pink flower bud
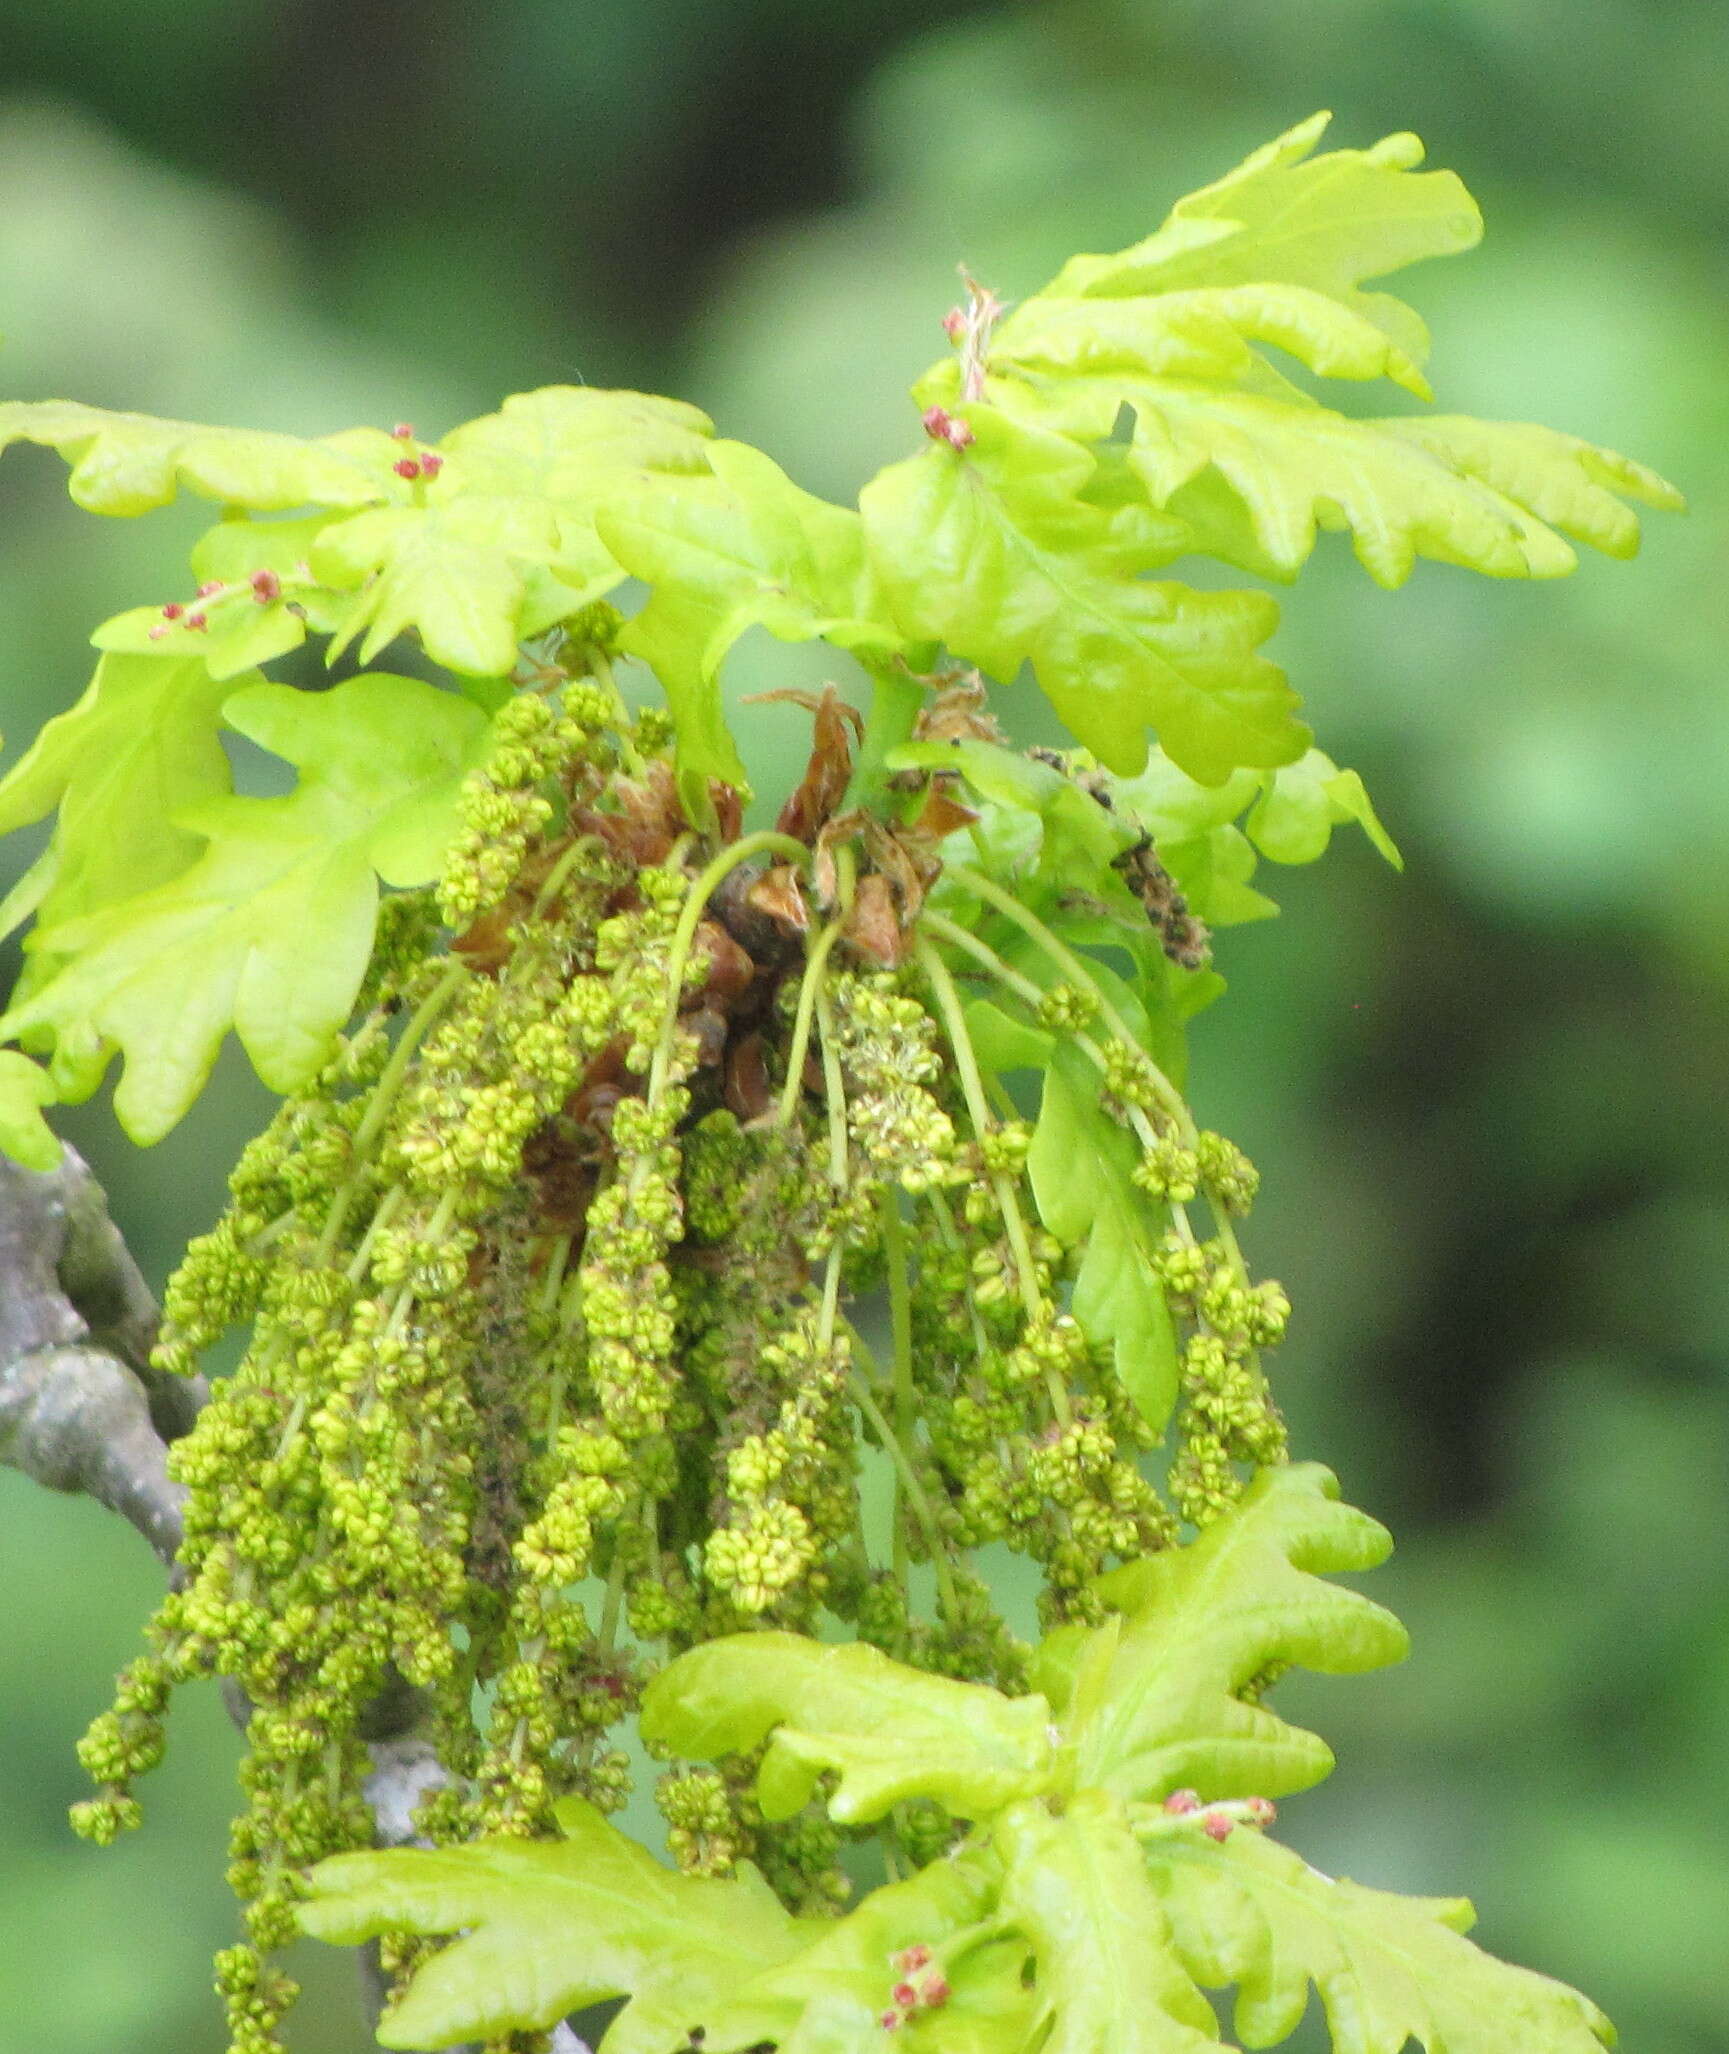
1262 1810
904 1995
210 588
406 467
934 1989
157 632
1181 1802
892 2021
266 586
431 464
941 426
954 324
1216 1826
403 431
910 1958
173 610
196 620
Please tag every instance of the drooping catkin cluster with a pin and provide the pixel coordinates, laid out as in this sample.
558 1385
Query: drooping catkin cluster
1227 1421
624 1220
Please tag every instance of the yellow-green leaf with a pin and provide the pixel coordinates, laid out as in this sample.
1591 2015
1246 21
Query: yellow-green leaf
831 1998
995 551
122 765
1105 1974
1285 215
502 542
128 463
1205 334
25 1088
1293 819
1245 461
742 548
1392 1971
1203 1621
270 929
548 1927
569 446
1570 483
238 627
888 1731
456 571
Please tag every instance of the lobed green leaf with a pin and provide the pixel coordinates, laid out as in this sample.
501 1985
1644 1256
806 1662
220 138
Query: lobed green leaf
25 1088
1206 335
1204 1621
1107 1980
888 1732
1570 483
502 543
122 766
242 636
128 463
1287 217
239 631
1254 470
994 551
269 930
741 548
1390 1970
568 445
456 572
1233 458
1301 804
831 1997
548 1927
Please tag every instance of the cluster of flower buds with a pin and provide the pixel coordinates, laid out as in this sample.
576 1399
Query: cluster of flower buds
942 426
425 464
1218 1821
264 586
919 1986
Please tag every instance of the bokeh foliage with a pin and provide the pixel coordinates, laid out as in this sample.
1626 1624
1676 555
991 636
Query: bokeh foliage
1488 1098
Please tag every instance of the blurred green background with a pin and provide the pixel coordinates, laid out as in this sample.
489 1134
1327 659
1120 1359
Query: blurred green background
1490 1099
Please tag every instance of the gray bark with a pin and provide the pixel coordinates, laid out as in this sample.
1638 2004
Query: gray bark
80 1407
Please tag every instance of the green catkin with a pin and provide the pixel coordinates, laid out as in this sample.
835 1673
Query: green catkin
549 1366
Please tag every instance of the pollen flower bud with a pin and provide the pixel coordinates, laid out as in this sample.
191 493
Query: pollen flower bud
942 426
